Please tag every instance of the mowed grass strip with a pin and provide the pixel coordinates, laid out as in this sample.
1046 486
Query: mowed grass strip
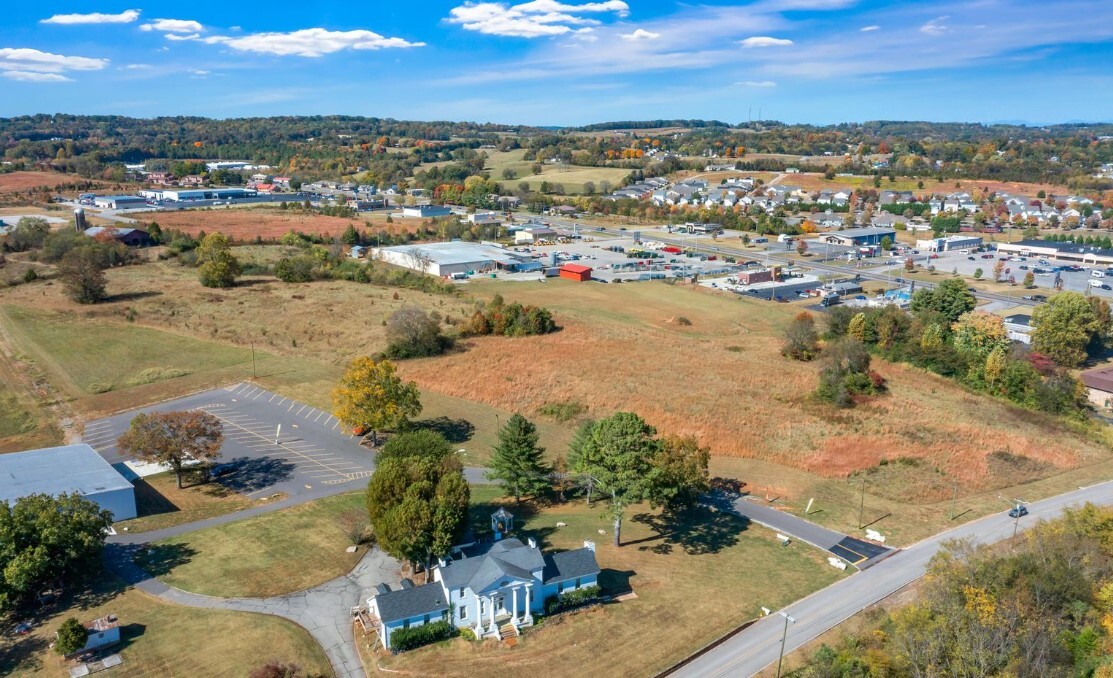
165 640
14 418
275 553
97 357
162 504
694 581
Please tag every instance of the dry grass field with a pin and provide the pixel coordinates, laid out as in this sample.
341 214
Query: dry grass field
815 181
266 222
21 181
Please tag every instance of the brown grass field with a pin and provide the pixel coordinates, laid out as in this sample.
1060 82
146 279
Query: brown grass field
812 181
21 181
268 223
721 379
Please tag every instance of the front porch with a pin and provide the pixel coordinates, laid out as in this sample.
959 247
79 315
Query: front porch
498 620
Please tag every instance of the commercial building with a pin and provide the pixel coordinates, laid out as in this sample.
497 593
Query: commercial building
949 243
61 470
1019 327
485 218
751 277
576 272
449 258
186 195
528 236
856 237
426 211
1061 251
1099 385
119 202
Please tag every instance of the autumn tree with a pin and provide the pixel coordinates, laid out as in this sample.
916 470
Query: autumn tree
1029 280
82 275
801 338
999 270
683 476
518 463
1067 327
801 247
371 397
218 266
173 438
980 333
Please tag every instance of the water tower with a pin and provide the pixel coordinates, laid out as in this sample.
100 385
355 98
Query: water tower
79 220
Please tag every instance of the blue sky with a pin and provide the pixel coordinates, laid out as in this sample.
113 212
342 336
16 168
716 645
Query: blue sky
557 62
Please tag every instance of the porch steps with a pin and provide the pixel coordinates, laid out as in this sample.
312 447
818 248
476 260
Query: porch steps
507 633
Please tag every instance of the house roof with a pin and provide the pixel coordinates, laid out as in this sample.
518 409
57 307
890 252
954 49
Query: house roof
57 470
496 561
1021 319
1100 379
863 232
94 231
569 565
575 268
411 602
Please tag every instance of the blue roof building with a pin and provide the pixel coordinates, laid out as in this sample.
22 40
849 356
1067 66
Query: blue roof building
66 469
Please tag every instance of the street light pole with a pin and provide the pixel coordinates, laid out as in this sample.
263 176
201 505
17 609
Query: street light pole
862 504
784 638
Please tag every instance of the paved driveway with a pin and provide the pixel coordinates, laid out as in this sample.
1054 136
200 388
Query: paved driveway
271 443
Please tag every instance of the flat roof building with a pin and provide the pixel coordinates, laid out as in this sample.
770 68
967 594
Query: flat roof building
855 237
1063 251
425 211
69 468
119 202
448 258
949 243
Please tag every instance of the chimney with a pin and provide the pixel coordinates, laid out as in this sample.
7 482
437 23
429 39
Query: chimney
532 542
589 545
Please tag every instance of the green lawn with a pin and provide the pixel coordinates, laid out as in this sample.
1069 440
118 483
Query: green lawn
92 357
275 553
164 640
14 417
693 581
161 504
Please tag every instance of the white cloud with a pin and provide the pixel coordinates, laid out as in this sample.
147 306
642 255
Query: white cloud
178 38
764 41
757 83
24 60
30 76
173 26
935 26
640 34
137 67
198 73
125 17
867 29
535 19
309 42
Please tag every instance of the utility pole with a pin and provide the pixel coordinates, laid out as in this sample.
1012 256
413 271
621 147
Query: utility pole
862 504
954 497
784 637
253 373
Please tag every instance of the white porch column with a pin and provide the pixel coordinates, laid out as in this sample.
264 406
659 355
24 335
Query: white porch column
528 619
478 618
514 608
492 628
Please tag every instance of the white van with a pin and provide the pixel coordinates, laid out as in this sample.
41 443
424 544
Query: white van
1097 274
1095 283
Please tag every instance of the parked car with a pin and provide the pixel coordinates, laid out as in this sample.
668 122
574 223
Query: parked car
970 258
1023 267
1018 511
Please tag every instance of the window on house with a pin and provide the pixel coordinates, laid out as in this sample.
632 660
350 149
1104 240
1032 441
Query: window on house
481 607
426 619
406 624
461 591
463 612
577 583
560 587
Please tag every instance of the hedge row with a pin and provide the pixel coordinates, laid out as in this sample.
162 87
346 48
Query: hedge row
571 599
416 636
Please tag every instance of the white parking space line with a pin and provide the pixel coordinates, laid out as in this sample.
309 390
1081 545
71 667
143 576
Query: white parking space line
336 424
261 393
272 398
338 469
318 417
298 413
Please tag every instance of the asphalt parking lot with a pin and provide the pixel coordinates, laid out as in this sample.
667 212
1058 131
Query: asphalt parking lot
313 454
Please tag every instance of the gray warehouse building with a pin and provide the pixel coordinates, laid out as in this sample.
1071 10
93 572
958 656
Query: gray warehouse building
119 202
448 258
66 469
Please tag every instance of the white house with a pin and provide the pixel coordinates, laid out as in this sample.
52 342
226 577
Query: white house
491 588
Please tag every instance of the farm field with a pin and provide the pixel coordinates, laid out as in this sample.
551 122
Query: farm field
269 223
693 580
23 180
815 181
161 639
570 177
288 550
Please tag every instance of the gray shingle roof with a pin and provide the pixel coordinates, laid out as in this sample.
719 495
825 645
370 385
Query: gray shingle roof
504 558
411 602
569 565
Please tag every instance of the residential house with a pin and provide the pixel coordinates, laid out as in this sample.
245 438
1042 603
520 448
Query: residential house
894 197
161 178
1019 327
191 180
132 237
492 588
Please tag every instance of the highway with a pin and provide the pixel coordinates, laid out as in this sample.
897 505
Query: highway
758 646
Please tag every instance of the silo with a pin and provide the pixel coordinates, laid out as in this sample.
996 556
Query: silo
79 220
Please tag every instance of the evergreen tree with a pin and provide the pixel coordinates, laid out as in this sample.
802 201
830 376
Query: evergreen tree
518 463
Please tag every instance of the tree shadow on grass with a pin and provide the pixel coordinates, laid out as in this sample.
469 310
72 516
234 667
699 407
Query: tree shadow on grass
160 560
132 296
614 582
22 654
455 431
696 530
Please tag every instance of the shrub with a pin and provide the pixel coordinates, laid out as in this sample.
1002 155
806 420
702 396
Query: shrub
563 412
571 599
71 637
416 636
295 269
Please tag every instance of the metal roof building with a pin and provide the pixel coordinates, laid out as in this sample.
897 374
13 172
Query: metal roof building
447 258
69 468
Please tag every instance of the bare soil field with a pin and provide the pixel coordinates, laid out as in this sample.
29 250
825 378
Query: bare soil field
814 182
247 224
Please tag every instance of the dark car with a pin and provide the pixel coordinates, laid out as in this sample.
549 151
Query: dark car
898 280
220 470
970 258
1018 511
1023 267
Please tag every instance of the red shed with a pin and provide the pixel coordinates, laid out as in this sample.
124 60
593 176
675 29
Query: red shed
576 272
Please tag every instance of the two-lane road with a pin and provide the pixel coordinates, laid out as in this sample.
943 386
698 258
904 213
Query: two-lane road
758 646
